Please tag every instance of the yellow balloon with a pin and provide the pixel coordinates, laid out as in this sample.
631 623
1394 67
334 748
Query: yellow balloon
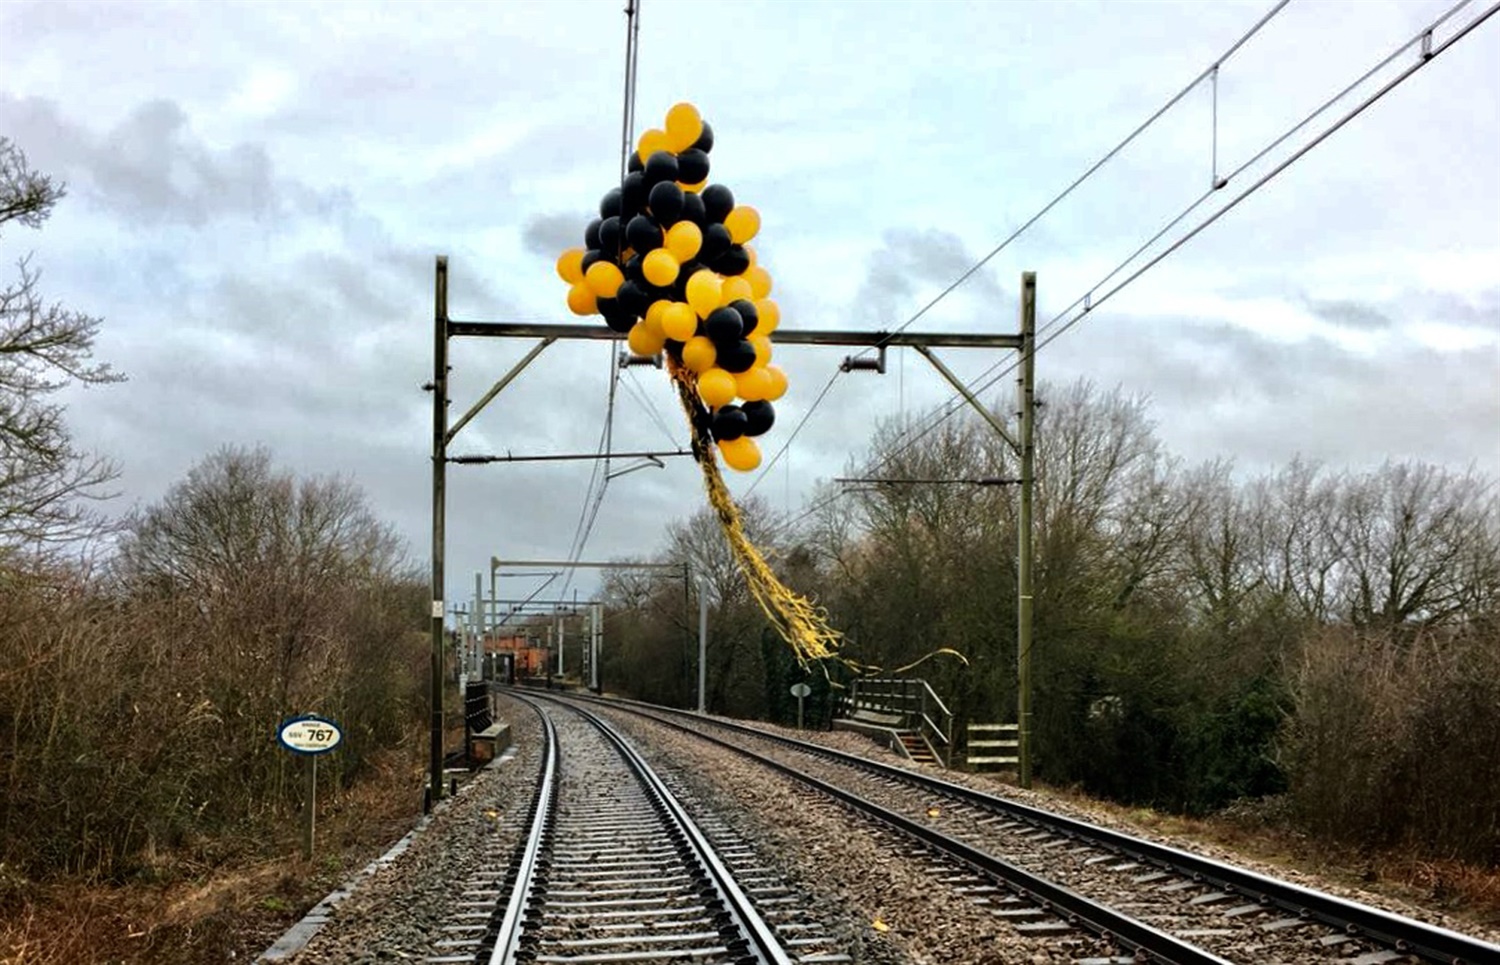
652 318
741 454
570 266
743 222
699 354
684 126
582 300
643 341
604 279
770 316
759 279
754 384
733 289
778 383
693 188
750 253
659 267
683 240
703 291
651 141
717 388
678 322
762 345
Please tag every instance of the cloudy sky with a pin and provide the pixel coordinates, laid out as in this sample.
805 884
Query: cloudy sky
257 193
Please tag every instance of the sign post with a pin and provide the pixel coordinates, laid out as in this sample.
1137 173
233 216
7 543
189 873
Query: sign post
800 691
309 736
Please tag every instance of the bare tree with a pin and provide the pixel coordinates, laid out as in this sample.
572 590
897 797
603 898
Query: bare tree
43 347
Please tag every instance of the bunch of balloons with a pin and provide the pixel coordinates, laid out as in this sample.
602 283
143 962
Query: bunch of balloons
668 263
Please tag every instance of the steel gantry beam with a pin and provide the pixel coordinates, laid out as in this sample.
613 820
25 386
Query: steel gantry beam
445 329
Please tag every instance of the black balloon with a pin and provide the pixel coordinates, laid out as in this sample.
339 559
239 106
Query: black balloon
591 256
609 236
736 358
633 194
633 297
732 262
635 163
674 349
642 234
729 423
609 205
749 314
716 241
718 201
693 210
591 233
692 166
615 316
666 203
705 142
760 416
632 268
724 326
661 166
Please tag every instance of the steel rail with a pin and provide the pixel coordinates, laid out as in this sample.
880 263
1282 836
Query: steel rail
1132 933
508 936
1404 935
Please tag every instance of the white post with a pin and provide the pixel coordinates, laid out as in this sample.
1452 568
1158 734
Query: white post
702 645
596 616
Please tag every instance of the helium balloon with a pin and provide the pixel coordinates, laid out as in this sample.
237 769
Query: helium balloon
705 142
683 240
632 296
643 341
750 253
743 223
652 318
778 383
582 300
762 345
604 279
684 127
753 384
570 266
679 322
728 423
635 164
692 166
609 236
717 387
617 318
643 234
651 142
718 201
759 416
609 205
666 203
703 292
760 281
731 262
715 242
674 349
660 166
737 357
699 354
693 210
589 257
734 289
749 314
591 234
741 454
659 267
770 315
632 194
723 326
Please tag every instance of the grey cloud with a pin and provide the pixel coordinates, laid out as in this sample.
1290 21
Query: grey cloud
548 235
1349 314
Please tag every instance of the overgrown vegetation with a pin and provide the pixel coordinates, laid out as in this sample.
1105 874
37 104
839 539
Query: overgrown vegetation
1200 639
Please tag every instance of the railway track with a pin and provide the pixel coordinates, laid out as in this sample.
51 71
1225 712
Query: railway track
1155 901
612 868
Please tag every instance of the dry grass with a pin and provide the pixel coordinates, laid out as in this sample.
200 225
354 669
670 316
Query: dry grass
192 915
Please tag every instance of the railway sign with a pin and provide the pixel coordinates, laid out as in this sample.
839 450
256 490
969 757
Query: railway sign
309 734
800 690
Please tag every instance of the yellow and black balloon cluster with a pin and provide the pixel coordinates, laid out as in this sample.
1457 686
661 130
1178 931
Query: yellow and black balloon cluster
668 262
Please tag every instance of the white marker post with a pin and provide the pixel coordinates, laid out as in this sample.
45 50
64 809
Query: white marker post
309 735
800 691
